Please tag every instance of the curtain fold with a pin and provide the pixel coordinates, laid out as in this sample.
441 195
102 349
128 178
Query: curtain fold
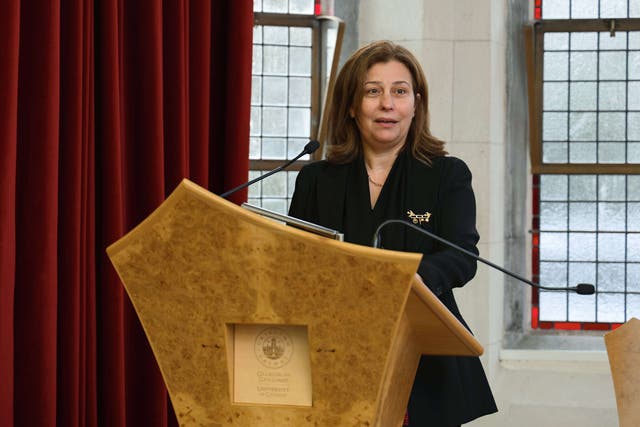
9 54
106 107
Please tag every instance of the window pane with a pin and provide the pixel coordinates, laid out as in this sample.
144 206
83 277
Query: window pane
274 6
582 187
582 308
612 153
611 187
617 42
555 9
275 60
553 187
634 95
275 186
583 66
553 306
553 274
553 246
634 65
582 247
583 9
633 307
584 41
554 126
611 247
583 96
300 36
274 148
556 66
633 247
582 216
254 148
275 91
612 96
556 41
274 121
553 216
633 217
255 122
554 152
613 8
633 277
301 6
611 277
555 96
613 65
633 187
582 126
276 35
582 272
583 152
633 123
611 308
611 126
611 216
299 122
300 61
256 62
300 91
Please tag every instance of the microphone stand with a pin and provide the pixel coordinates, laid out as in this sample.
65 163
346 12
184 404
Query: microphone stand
308 149
581 289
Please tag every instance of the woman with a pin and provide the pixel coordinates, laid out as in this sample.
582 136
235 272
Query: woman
383 163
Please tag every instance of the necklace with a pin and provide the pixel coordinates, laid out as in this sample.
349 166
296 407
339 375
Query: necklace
373 182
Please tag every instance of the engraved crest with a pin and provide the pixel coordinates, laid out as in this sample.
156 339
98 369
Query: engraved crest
273 347
418 218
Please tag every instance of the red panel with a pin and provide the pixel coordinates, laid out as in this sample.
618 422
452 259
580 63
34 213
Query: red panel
317 8
534 316
546 325
568 326
615 326
596 326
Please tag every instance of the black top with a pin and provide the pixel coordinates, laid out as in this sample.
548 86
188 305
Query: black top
448 390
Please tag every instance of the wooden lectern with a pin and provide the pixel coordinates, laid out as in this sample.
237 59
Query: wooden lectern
200 268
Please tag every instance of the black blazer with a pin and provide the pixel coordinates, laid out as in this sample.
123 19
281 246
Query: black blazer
447 390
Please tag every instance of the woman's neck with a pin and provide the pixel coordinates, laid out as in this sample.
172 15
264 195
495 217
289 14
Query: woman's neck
378 165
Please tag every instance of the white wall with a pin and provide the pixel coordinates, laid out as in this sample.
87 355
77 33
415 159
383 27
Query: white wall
462 46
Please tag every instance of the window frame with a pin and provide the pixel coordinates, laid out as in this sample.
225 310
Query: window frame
534 39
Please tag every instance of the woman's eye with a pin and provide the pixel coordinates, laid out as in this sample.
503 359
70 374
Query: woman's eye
373 91
401 91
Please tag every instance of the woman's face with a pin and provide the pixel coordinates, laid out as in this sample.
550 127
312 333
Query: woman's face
388 106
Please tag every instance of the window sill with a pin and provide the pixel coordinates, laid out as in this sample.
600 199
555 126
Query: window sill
591 361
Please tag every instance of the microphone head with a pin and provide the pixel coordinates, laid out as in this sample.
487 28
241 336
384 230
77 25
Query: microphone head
585 289
311 146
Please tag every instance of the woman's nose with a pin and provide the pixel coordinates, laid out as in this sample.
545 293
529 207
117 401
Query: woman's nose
386 101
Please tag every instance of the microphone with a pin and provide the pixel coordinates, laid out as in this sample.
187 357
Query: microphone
581 288
311 147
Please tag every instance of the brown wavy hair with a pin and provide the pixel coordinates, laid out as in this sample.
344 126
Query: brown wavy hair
344 143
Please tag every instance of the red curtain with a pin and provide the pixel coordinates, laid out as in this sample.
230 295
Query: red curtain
105 107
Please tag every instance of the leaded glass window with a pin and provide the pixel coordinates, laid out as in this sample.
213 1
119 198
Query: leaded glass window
293 57
585 152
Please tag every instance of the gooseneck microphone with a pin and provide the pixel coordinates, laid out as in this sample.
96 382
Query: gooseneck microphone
311 147
582 288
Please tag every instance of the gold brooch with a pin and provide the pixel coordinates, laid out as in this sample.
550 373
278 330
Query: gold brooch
419 219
